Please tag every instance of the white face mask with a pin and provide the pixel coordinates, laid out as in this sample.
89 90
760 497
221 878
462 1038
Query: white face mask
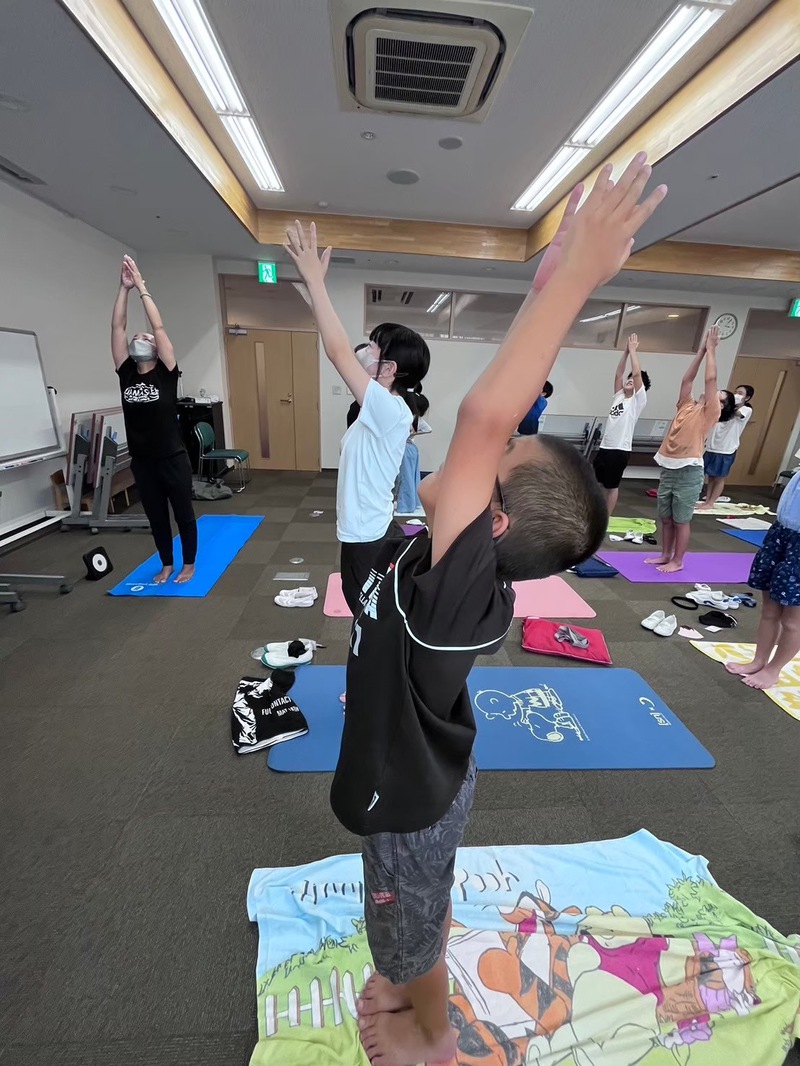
740 398
369 356
141 351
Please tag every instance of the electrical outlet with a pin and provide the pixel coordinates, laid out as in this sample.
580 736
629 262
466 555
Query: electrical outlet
336 390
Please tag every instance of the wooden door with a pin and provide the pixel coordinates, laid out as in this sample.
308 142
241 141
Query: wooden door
775 407
273 382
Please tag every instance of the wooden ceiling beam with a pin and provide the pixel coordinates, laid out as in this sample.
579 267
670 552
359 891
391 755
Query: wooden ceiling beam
769 44
718 260
400 236
109 25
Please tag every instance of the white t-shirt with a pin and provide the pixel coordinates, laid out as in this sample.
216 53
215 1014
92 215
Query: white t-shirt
622 419
369 462
725 436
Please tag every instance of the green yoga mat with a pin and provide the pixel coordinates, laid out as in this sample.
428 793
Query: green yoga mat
638 525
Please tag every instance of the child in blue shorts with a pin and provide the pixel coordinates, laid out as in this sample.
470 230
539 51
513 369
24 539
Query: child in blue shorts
776 571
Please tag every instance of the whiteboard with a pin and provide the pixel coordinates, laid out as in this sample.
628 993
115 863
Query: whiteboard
27 424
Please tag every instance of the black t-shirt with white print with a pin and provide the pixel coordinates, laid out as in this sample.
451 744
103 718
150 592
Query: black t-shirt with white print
149 404
409 726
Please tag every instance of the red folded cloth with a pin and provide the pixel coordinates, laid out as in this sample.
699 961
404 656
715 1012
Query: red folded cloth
558 638
651 492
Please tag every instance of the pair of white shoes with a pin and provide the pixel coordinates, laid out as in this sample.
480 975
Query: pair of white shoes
705 596
663 625
303 597
634 538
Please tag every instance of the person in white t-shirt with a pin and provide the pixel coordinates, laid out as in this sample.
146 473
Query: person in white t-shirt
723 444
630 399
379 376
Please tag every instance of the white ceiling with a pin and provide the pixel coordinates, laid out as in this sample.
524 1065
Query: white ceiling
771 220
85 131
283 55
752 147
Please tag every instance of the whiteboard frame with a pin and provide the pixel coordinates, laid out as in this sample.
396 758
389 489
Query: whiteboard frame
9 462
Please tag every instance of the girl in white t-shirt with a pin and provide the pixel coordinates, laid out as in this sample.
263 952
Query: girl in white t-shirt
723 444
379 376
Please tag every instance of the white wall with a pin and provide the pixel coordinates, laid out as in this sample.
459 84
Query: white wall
186 291
582 377
58 277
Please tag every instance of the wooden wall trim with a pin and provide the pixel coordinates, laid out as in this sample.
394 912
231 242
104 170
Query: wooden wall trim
400 236
770 43
115 33
718 260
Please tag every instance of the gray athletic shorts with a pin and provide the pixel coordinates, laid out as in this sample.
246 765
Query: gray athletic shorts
407 880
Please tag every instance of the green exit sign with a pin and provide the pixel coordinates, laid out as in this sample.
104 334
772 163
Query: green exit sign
268 273
794 308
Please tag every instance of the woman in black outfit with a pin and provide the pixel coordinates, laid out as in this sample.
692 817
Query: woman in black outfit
148 380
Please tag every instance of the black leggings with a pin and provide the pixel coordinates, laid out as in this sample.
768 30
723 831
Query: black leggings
162 482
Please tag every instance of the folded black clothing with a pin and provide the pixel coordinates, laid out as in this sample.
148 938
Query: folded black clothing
717 618
263 714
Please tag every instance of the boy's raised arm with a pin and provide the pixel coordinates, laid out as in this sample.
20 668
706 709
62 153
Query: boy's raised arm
589 249
619 375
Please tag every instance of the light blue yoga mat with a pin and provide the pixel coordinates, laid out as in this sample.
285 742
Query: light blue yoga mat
528 718
752 536
219 540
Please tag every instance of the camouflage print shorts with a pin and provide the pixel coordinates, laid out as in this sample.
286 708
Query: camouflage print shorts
407 880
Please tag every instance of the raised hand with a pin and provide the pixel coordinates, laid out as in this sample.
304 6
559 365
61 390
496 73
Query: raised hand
712 338
302 248
600 237
633 342
552 256
126 277
135 273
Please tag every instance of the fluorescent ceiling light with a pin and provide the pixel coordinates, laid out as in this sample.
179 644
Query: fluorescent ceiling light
246 136
442 298
611 314
189 25
681 31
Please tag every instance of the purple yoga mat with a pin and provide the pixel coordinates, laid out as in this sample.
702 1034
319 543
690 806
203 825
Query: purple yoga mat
712 568
411 531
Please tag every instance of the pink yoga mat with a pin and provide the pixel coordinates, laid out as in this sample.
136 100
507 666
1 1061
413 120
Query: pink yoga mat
713 568
551 597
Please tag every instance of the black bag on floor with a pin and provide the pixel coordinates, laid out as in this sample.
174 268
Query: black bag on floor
263 714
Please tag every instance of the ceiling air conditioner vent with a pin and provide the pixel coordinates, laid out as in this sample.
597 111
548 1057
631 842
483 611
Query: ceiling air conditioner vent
443 58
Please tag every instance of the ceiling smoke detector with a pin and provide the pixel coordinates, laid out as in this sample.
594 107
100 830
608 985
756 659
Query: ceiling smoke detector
430 57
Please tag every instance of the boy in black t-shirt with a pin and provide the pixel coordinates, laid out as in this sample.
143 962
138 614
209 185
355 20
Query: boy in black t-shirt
499 510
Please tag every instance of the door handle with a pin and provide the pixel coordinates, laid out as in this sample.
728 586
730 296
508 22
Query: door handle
287 399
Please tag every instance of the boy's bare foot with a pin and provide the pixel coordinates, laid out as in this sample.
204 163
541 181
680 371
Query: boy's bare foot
397 1040
380 995
672 567
186 574
658 560
742 669
163 576
764 678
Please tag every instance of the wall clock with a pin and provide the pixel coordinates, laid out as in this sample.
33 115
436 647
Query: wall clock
727 325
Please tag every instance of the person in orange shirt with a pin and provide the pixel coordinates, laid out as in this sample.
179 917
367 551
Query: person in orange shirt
681 455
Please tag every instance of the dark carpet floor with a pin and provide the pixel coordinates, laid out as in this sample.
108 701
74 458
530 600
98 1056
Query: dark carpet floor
129 828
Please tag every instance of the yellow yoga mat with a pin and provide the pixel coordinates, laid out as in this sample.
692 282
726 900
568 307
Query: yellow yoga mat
786 693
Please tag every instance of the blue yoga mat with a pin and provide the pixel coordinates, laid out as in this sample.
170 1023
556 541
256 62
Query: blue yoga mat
219 540
752 536
528 718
